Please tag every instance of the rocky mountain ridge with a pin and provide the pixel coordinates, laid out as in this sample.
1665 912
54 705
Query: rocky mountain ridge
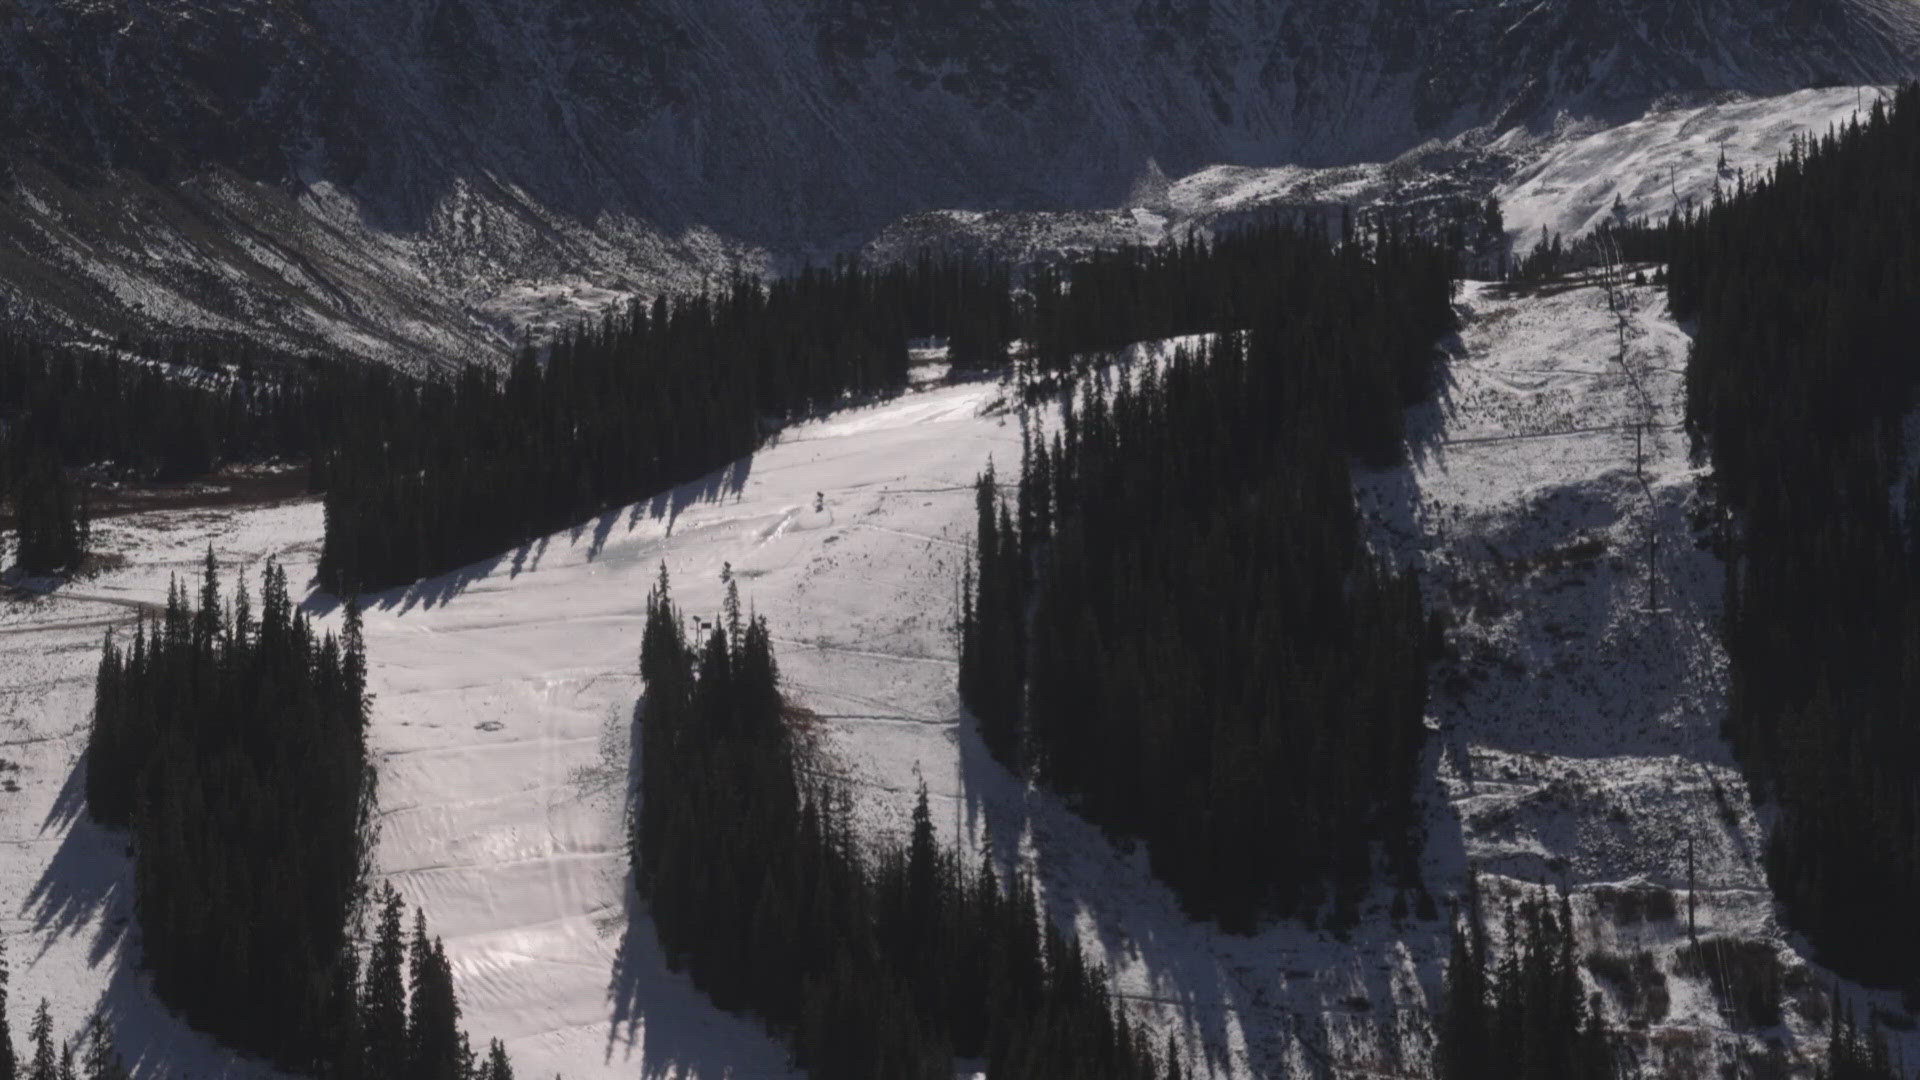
422 181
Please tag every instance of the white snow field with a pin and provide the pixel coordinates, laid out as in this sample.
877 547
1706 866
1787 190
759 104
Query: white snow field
1666 160
1566 179
1575 736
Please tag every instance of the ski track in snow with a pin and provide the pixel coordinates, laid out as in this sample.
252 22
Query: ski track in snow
1575 736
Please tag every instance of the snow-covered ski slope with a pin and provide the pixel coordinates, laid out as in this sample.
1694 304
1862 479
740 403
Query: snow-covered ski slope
1666 160
1575 736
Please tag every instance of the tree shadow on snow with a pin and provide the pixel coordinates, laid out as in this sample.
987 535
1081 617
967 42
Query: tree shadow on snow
1426 421
442 589
711 488
1080 872
88 887
658 1020
427 593
87 876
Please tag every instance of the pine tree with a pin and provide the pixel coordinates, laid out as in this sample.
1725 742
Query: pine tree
9 1065
46 1060
102 1060
497 1066
383 1009
433 1035
872 967
1800 285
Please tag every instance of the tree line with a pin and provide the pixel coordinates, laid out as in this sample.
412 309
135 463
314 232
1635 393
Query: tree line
870 965
1802 285
90 1055
1518 1008
1176 621
428 476
424 1044
230 743
70 415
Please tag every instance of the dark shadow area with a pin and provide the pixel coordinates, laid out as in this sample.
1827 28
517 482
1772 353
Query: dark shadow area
88 876
536 548
1077 867
657 1020
71 803
153 1041
1559 580
1426 422
442 589
728 480
428 593
89 883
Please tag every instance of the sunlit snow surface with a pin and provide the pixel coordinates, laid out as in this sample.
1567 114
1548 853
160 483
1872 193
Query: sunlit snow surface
1666 160
1575 738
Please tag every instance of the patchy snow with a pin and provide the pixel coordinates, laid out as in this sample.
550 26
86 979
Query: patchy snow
1234 188
1576 734
1578 729
1665 160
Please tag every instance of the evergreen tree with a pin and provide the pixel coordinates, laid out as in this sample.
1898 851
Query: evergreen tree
9 1065
46 1060
496 1067
882 965
234 752
1801 286
433 1033
1521 1013
51 518
1200 513
102 1060
383 1008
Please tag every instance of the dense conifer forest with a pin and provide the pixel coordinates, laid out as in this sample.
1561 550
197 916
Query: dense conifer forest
1803 287
50 510
1518 1009
1177 622
71 414
176 417
872 966
231 743
427 477
1514 1005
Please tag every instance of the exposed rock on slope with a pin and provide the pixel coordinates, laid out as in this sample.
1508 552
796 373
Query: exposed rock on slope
406 179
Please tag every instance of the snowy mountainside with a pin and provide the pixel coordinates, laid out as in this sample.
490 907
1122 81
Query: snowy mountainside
1574 730
425 179
1666 160
1566 180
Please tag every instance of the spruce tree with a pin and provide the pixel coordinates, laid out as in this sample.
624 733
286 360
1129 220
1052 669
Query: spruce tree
433 1035
46 1060
383 1008
873 965
102 1060
9 1065
496 1066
